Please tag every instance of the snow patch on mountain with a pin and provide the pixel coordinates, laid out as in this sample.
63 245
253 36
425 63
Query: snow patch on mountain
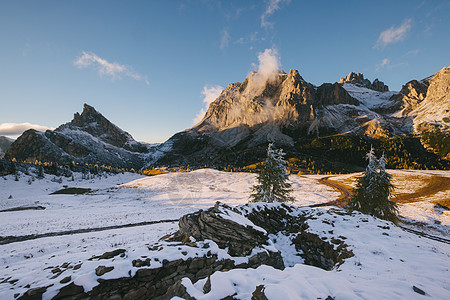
370 98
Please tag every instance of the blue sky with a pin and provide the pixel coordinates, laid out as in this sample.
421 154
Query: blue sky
148 65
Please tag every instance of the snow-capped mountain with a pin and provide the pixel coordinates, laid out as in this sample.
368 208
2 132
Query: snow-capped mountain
88 138
278 107
286 109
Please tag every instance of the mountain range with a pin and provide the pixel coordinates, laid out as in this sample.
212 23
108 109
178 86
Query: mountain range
328 126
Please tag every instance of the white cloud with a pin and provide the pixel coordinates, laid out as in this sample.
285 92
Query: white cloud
210 93
268 70
14 130
272 7
225 39
199 116
412 52
385 63
104 67
393 34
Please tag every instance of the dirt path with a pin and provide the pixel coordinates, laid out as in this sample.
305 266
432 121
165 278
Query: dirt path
434 185
14 239
346 193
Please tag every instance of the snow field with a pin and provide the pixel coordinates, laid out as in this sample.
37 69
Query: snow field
387 262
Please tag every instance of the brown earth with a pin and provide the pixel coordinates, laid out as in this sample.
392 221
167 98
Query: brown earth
434 185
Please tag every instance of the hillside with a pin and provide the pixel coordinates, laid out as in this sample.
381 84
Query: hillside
4 144
89 138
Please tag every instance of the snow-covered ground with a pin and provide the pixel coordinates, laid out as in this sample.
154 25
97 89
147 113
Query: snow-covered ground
383 265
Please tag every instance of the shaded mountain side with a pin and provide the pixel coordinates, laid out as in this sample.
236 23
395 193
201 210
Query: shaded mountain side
88 139
4 144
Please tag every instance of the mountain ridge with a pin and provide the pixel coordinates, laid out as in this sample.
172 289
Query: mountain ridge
275 107
89 138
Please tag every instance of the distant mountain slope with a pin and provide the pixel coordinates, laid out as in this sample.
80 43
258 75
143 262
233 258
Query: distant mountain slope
88 138
292 113
5 142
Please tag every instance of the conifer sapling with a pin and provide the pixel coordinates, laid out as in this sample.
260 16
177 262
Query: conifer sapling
272 179
373 190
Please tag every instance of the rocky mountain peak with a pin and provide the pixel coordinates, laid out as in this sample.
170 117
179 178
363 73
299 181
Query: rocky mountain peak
94 123
435 108
89 117
358 79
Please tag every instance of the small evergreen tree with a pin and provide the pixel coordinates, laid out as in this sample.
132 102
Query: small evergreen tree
272 179
40 172
373 189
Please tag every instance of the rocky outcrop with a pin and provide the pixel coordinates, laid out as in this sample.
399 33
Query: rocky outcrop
409 98
242 231
89 138
435 108
358 79
332 94
217 224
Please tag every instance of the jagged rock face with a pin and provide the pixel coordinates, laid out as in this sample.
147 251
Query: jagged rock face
435 108
358 79
286 99
89 138
409 98
97 125
332 94
248 115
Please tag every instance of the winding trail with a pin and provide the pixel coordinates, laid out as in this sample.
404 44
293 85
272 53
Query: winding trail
14 239
435 184
346 193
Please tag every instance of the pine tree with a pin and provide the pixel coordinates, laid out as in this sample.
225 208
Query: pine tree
40 172
272 179
373 189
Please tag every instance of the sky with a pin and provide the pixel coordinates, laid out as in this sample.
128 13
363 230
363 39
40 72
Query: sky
152 67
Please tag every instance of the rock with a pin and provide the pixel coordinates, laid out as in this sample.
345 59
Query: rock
418 290
69 290
409 98
141 263
146 274
435 108
109 255
258 294
209 225
66 279
332 94
177 289
100 270
358 79
136 294
34 294
207 286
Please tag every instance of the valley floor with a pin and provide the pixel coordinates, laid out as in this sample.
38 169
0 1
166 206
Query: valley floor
123 199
